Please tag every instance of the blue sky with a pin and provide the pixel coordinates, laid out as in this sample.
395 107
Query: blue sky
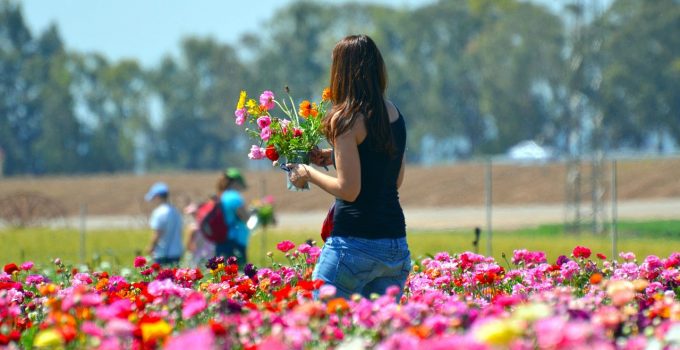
149 29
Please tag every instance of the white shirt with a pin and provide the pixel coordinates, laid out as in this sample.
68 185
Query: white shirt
166 220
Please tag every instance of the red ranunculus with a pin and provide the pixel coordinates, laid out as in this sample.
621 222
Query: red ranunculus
271 153
10 268
581 252
601 256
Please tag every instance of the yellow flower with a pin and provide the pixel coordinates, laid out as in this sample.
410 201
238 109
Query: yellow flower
48 338
531 312
241 100
154 331
253 107
498 332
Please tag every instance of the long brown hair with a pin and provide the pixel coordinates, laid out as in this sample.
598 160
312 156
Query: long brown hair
358 83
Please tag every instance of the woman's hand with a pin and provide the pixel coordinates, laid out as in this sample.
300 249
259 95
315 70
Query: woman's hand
321 157
298 174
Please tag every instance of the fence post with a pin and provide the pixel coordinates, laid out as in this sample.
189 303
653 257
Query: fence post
83 215
263 242
488 190
614 195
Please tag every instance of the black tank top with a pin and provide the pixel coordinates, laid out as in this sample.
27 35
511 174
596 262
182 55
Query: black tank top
376 212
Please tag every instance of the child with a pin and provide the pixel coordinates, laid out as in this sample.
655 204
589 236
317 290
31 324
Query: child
199 247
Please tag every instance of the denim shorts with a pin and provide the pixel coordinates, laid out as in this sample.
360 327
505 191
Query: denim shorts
364 266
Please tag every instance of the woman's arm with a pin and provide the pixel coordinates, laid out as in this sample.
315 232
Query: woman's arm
347 184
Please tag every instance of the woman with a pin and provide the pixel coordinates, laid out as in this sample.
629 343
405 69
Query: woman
367 251
229 186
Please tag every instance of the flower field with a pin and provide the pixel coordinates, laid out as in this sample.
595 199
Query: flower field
450 301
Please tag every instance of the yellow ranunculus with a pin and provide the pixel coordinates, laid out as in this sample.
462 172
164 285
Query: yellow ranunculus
48 338
531 312
498 332
241 100
156 330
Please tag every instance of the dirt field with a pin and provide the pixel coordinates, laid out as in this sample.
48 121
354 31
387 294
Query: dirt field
460 185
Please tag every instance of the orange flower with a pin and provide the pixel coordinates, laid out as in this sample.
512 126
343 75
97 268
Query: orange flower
307 108
595 278
337 305
326 94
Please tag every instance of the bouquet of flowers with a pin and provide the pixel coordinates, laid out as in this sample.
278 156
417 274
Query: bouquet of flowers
284 137
262 213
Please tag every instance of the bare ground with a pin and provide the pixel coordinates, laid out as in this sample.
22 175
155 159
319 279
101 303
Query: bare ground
443 196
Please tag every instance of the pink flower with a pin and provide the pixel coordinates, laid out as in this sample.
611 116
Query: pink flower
27 265
241 115
35 279
285 246
193 305
629 256
90 328
140 261
199 338
256 152
264 121
267 100
581 252
266 133
304 248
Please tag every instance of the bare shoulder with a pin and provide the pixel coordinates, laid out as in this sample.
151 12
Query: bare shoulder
392 111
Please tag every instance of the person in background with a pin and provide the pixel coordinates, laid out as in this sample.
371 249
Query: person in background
166 222
200 248
229 187
367 251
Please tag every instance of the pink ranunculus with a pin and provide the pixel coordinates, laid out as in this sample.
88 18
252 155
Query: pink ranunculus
256 152
264 121
193 305
240 115
35 279
91 329
27 265
199 338
267 100
140 261
285 246
627 256
266 133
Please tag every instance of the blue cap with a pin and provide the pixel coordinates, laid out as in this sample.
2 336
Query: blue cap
157 189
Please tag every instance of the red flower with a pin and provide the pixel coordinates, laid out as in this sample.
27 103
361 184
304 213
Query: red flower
10 268
581 252
285 246
601 256
271 153
140 261
297 132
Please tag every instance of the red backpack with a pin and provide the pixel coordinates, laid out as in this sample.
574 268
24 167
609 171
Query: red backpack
210 219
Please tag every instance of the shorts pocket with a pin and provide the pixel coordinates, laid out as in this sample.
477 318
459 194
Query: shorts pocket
354 271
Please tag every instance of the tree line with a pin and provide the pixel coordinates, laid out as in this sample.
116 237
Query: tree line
473 77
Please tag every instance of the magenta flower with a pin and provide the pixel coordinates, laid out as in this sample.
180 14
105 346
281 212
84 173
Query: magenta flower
140 261
256 152
267 100
285 246
629 256
264 121
27 265
266 133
